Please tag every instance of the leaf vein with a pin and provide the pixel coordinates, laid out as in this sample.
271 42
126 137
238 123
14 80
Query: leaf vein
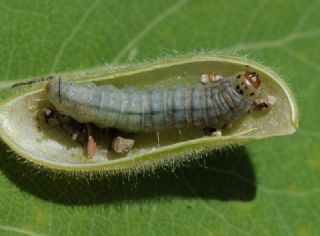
282 219
276 43
306 14
19 231
73 32
162 16
301 58
217 214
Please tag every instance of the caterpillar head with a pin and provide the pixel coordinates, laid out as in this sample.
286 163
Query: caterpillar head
248 84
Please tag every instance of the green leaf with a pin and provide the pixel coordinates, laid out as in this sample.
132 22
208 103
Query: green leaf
270 187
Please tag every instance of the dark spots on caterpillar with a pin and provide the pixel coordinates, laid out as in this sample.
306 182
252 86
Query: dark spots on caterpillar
238 77
246 87
237 87
241 92
251 94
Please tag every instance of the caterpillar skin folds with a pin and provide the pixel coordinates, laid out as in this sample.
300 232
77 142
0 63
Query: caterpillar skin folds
136 110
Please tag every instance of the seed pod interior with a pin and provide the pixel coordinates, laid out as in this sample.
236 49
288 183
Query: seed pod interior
28 134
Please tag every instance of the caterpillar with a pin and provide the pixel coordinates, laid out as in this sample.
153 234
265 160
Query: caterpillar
215 103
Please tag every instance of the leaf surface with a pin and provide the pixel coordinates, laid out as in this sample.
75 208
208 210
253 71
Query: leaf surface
270 187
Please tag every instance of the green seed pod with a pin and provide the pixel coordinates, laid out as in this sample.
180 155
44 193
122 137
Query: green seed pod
28 135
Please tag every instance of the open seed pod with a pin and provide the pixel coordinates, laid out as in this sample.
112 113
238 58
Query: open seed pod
24 130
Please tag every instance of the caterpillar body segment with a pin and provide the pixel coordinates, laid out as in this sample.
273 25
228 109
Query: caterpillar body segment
211 104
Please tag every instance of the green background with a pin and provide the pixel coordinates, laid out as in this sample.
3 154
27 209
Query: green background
270 187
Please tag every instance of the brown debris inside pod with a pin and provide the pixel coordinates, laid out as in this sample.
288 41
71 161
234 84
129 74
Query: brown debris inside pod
88 134
91 144
122 145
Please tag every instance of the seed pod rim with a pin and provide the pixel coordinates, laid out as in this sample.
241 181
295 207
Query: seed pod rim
162 155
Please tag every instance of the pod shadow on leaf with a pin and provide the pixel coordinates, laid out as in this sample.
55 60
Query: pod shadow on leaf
224 175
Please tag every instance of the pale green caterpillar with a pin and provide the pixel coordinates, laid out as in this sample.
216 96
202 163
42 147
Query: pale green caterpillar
212 104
